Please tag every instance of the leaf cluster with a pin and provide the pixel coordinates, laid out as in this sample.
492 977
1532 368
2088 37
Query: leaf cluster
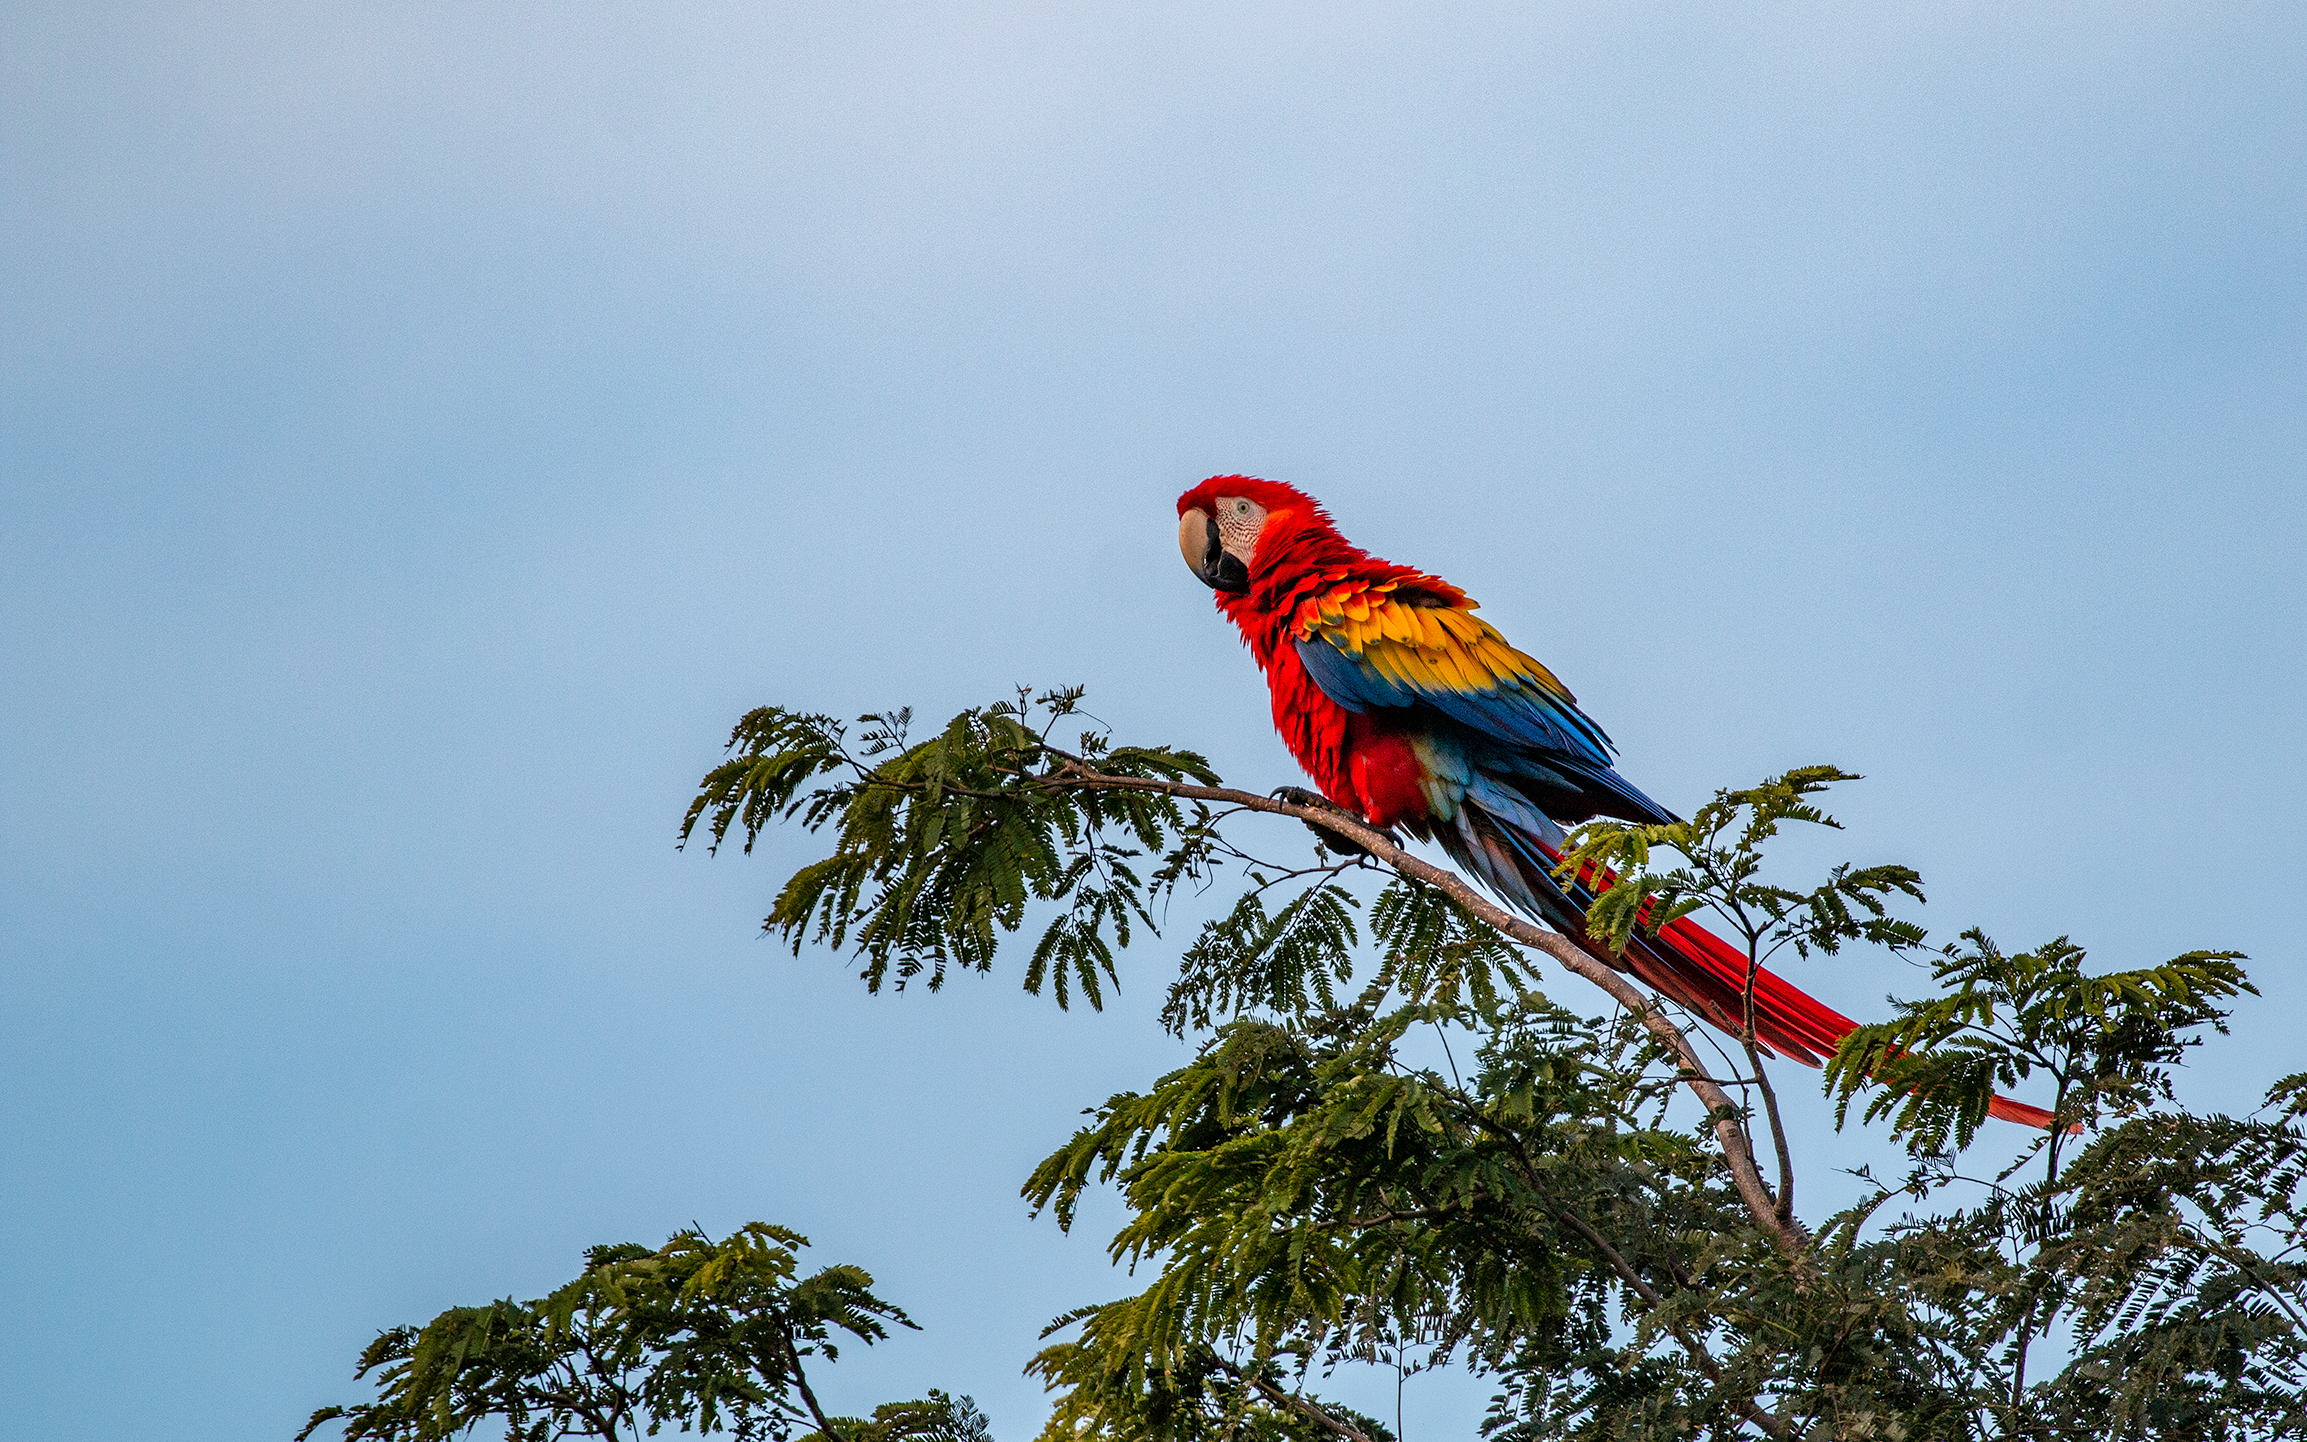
2164 1252
2163 1259
1310 1195
1722 851
1291 961
941 844
935 1418
704 1334
2106 1043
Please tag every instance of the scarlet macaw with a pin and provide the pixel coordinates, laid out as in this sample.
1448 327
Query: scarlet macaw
1411 712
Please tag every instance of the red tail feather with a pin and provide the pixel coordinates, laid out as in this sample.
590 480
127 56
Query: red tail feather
2004 1109
1696 969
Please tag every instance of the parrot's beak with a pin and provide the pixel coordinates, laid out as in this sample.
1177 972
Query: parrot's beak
1207 557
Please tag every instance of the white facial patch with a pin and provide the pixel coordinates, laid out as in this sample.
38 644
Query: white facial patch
1239 521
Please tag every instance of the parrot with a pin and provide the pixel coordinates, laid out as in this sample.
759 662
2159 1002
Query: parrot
1413 714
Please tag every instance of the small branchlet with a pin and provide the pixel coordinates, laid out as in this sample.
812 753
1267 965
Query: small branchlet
1721 851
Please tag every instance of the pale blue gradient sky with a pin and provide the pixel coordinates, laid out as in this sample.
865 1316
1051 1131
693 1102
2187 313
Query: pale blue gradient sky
424 429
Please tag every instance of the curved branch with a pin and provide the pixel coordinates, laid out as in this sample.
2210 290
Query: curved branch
1721 1111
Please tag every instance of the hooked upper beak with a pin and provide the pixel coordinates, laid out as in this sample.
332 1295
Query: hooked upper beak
1207 557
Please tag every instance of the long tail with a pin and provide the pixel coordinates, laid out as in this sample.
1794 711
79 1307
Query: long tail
1685 963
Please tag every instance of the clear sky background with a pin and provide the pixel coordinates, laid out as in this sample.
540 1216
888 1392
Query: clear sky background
424 429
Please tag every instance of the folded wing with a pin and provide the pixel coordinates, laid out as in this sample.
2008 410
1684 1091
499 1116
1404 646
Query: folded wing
1415 647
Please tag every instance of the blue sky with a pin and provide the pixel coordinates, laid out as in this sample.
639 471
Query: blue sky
423 430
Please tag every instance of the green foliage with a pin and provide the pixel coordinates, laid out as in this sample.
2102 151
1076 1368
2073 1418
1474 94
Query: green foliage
1313 1189
2164 1256
1202 1397
705 1334
1250 959
2144 1247
1722 858
1434 951
939 845
1308 1194
1320 1183
936 1418
1290 961
2107 1043
2290 1095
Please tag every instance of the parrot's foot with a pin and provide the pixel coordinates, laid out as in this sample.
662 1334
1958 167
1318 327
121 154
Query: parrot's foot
1300 796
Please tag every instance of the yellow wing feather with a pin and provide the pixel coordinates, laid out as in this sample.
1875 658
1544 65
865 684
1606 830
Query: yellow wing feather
1430 647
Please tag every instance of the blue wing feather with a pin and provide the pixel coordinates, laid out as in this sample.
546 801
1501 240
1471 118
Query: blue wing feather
1521 714
1531 734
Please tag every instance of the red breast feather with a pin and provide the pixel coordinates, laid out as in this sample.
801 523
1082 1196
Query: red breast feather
1300 553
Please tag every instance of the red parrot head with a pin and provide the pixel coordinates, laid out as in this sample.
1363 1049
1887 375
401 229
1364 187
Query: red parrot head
1222 522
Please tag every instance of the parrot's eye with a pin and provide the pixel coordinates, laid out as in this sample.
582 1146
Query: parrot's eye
1241 508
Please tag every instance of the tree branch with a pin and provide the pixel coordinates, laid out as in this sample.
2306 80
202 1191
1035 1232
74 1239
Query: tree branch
1650 1295
801 1385
1318 1415
1752 1410
1721 1111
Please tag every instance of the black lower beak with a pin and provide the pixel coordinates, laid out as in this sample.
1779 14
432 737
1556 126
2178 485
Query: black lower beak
1220 569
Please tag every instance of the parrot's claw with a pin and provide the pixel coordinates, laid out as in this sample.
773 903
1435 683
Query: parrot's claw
1300 796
